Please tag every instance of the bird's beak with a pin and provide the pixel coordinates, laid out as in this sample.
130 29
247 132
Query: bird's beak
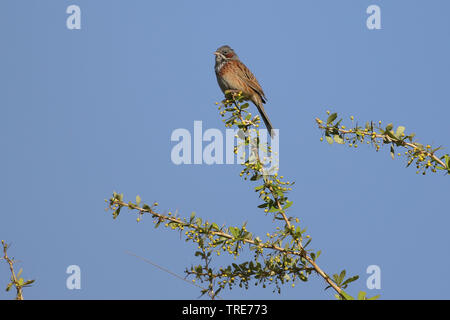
216 53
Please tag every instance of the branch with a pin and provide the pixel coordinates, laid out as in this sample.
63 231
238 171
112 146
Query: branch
283 262
425 157
245 125
16 281
283 257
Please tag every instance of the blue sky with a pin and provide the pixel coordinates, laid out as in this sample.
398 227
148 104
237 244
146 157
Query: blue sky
91 111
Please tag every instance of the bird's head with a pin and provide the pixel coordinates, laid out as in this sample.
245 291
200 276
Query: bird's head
225 53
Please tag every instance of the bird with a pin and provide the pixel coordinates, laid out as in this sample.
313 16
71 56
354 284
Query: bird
233 76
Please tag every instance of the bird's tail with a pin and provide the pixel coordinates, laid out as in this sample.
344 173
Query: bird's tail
265 118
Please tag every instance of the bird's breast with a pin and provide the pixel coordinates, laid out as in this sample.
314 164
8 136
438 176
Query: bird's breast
219 67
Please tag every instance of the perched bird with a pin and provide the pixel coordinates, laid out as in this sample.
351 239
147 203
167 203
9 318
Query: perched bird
232 75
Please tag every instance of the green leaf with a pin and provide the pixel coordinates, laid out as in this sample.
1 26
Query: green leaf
390 134
217 292
19 273
374 297
338 139
9 286
307 243
28 282
318 253
418 145
399 131
198 253
361 295
342 276
116 212
331 118
389 127
346 295
436 149
138 199
255 177
259 187
288 204
351 279
329 139
273 209
234 231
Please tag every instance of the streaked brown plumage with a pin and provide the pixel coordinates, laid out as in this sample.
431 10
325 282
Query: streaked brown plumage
233 75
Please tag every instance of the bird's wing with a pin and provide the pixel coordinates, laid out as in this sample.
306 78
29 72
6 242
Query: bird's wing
251 80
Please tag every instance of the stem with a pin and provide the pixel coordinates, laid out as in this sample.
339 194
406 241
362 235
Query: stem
19 295
386 137
303 253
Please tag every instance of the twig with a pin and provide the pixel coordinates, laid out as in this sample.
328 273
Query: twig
164 269
14 281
